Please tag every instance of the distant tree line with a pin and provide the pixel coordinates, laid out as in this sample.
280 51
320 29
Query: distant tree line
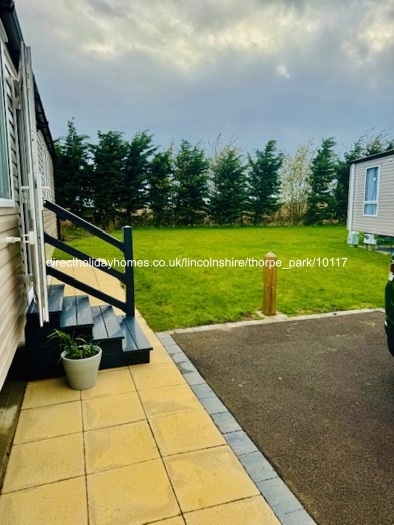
116 181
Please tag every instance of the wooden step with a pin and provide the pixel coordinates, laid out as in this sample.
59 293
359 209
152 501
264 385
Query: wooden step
134 337
55 300
108 334
105 323
135 347
76 314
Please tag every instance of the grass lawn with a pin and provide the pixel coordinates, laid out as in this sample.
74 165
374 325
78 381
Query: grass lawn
184 297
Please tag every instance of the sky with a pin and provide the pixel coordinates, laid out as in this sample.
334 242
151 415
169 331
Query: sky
289 70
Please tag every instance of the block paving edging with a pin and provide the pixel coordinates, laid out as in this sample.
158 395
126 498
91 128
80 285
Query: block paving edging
277 318
282 501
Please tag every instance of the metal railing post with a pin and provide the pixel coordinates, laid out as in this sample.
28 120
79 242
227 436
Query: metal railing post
129 270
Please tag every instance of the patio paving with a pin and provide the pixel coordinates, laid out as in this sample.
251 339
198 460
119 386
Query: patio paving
138 448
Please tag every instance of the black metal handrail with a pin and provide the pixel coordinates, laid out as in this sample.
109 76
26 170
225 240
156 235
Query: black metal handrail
126 247
78 221
97 263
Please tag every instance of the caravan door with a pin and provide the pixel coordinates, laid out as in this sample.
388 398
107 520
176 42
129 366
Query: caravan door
31 188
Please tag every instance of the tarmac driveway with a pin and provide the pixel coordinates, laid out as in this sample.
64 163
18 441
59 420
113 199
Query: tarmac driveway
317 398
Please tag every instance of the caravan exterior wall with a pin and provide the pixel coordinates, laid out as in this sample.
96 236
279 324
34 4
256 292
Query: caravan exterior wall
13 301
371 195
15 280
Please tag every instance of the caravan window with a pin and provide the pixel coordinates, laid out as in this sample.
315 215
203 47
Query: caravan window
5 172
46 177
371 191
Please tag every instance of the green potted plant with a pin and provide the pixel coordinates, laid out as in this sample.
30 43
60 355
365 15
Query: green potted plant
80 358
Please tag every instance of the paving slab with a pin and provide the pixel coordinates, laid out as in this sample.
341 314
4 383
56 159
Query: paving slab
119 446
45 461
33 424
112 410
61 503
169 400
209 477
147 377
250 511
110 382
185 432
132 495
49 392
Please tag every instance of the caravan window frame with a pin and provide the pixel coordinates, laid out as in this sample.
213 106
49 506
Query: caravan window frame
46 175
8 200
376 201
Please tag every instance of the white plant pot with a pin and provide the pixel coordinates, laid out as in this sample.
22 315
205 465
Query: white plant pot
82 373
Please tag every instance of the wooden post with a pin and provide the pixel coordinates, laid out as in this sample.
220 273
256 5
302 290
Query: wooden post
269 284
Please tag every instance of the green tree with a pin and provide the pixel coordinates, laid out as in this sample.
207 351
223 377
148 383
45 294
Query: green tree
109 156
321 199
228 198
135 173
73 171
295 184
191 184
264 182
161 187
372 143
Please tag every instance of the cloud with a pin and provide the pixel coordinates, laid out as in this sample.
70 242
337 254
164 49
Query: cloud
190 37
283 71
193 67
372 40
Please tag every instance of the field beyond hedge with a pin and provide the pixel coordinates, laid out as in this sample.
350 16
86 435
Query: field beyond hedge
327 274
